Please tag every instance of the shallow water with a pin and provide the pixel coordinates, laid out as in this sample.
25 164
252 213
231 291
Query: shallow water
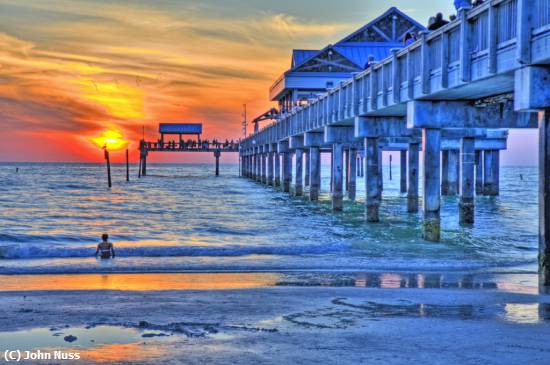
182 218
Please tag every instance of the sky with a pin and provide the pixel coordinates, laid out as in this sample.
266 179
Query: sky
70 70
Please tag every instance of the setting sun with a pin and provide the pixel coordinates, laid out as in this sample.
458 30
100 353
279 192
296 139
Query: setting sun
112 139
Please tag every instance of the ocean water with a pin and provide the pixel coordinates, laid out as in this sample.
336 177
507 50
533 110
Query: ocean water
181 218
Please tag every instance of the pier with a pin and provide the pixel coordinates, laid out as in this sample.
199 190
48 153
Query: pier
452 95
181 145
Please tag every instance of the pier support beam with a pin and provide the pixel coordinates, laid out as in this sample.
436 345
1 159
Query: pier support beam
337 176
491 162
431 145
372 182
299 185
314 173
479 172
270 158
403 169
467 162
352 167
412 192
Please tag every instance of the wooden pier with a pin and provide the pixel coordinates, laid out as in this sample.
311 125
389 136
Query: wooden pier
180 145
452 94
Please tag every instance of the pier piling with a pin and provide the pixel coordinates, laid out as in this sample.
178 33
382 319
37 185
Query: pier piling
277 181
491 172
479 172
287 171
127 166
453 172
431 145
403 169
337 176
372 181
412 191
352 166
270 158
217 155
544 198
306 172
467 162
108 163
299 187
314 173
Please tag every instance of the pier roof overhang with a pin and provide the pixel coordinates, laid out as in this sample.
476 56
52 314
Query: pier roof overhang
319 70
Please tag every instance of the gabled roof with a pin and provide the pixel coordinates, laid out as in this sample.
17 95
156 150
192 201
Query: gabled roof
376 38
374 25
328 60
360 54
300 55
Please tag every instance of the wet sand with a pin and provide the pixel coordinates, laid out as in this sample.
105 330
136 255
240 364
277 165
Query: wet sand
301 318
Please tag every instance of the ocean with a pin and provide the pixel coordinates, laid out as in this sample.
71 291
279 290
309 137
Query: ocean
181 218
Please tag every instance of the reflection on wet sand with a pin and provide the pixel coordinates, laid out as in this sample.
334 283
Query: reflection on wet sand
127 353
511 312
409 280
520 283
138 282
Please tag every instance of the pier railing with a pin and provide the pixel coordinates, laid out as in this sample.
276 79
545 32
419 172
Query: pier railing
471 57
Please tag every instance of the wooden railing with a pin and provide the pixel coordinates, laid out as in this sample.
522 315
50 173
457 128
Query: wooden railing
492 39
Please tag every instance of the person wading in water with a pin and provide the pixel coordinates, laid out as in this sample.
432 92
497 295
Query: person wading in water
105 249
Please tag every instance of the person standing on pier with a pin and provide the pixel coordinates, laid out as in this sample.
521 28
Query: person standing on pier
105 249
466 4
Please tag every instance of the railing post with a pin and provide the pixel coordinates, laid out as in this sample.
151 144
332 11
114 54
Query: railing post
492 33
424 63
465 46
444 60
383 86
524 17
396 84
355 97
410 76
373 90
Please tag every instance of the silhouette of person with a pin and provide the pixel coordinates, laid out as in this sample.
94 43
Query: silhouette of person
105 249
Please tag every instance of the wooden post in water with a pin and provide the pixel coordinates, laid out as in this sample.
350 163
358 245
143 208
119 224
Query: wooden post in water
217 154
127 167
108 160
390 166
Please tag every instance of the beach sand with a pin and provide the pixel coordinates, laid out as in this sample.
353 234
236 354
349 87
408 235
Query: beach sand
292 323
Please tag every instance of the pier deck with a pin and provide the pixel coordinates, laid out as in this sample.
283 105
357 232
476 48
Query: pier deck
447 94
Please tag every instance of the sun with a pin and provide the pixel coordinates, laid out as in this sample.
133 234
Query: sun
112 139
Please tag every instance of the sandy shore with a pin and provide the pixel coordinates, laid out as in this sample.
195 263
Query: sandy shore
298 325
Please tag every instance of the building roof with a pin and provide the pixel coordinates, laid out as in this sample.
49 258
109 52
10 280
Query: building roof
359 54
375 38
348 55
300 55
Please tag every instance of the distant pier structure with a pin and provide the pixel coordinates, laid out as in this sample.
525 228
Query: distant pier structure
182 144
451 93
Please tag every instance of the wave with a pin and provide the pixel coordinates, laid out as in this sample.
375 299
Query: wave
19 251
